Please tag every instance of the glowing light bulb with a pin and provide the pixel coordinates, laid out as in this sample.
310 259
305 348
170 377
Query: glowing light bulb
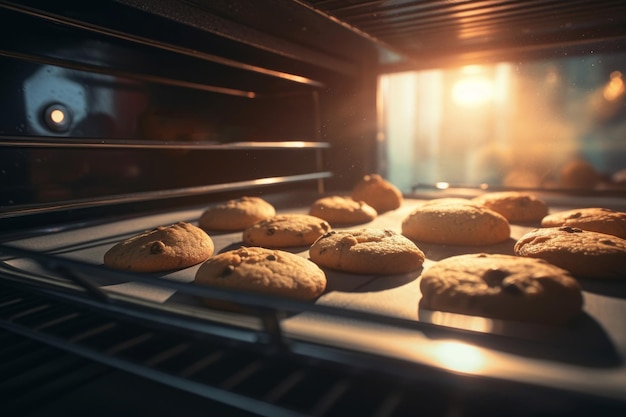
57 116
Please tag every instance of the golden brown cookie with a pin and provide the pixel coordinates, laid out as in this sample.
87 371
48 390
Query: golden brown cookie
267 271
339 210
456 224
578 174
378 193
584 253
285 230
449 200
162 249
515 206
367 251
595 219
502 287
236 214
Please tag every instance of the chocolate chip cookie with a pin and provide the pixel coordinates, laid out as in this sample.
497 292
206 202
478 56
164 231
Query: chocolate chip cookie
378 193
584 253
456 224
162 249
502 287
236 214
285 230
263 270
516 207
367 251
595 219
340 210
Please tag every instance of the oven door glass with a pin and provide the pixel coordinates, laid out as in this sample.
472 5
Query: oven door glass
550 124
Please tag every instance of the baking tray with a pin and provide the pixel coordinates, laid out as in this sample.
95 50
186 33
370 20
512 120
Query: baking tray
586 356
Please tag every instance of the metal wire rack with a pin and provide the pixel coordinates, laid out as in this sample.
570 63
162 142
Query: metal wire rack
249 365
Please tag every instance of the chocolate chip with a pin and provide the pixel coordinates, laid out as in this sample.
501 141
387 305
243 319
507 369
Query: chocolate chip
327 235
569 229
576 215
494 276
270 231
325 226
271 258
227 271
157 247
607 242
513 287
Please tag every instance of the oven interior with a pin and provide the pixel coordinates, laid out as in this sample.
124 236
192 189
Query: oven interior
118 116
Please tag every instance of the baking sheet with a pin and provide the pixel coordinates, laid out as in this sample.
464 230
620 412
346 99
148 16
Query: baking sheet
587 355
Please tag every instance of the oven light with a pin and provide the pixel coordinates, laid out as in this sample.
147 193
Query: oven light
460 357
57 117
442 185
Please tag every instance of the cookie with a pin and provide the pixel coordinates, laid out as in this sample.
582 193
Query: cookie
456 224
502 287
237 214
378 193
162 249
594 219
516 207
286 230
584 253
449 200
263 270
339 210
367 251
578 174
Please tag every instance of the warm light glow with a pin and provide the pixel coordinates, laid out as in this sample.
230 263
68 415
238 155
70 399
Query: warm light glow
265 181
472 90
458 356
614 89
442 185
472 69
460 321
57 116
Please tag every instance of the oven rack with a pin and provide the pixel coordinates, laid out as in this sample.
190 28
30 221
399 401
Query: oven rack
169 32
247 364
108 143
12 211
221 372
154 196
36 316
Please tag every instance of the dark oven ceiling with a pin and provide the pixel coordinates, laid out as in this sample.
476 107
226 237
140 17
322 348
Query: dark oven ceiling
438 32
405 34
